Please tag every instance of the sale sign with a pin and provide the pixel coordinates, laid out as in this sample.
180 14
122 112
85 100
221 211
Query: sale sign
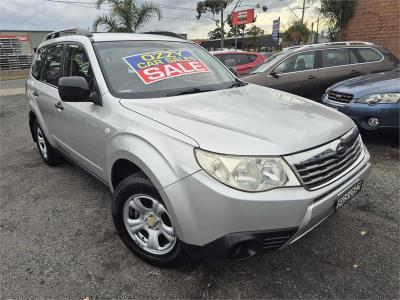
243 17
160 65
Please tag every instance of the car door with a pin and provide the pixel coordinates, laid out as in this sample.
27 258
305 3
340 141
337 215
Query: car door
45 91
297 74
337 65
80 130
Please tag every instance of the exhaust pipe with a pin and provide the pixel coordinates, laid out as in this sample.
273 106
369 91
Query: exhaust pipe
243 250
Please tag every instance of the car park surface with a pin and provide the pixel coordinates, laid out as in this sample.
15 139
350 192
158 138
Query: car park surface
60 242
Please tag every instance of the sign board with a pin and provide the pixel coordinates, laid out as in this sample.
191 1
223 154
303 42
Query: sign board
22 38
243 17
275 29
160 65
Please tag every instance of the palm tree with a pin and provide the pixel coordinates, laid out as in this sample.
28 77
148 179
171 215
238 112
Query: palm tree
126 15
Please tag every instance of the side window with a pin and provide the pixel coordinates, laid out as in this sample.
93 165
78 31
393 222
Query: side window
77 63
282 67
298 62
52 66
335 57
37 63
369 55
251 58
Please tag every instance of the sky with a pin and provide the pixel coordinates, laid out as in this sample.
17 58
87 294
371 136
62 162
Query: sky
178 15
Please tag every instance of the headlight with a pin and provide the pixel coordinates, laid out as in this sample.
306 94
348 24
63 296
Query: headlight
252 174
380 98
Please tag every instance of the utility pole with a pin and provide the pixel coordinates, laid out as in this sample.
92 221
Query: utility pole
312 33
222 27
316 39
302 14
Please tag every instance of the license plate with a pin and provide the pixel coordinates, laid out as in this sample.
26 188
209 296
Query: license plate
350 193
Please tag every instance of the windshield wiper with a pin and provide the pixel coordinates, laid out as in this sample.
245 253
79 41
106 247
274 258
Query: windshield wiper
237 83
189 91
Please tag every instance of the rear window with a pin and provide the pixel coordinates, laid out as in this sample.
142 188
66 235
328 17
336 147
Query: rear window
369 54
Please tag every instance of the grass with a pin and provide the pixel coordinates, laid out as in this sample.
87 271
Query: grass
13 77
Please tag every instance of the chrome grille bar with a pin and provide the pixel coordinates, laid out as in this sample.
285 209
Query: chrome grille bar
318 167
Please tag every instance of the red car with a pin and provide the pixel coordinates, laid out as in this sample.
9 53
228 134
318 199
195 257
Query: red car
242 61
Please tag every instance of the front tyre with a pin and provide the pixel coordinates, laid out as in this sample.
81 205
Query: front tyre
143 222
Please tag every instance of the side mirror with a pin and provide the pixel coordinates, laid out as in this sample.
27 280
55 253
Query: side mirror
74 89
274 74
233 71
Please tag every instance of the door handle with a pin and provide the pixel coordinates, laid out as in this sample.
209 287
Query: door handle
59 105
354 72
35 93
311 77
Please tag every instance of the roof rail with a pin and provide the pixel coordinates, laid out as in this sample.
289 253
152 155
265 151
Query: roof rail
167 33
344 43
71 31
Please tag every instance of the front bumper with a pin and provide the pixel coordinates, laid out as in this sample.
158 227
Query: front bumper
212 218
387 114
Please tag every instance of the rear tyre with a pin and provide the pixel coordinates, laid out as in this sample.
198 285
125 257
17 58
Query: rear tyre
143 222
46 151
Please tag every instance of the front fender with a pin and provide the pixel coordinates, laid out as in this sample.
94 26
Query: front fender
164 160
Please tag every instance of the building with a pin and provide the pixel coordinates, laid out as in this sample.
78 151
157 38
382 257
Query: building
261 42
377 22
30 39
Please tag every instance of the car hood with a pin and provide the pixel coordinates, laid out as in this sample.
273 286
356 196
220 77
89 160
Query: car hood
249 120
384 82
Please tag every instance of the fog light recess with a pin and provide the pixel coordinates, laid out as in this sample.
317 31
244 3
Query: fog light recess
373 122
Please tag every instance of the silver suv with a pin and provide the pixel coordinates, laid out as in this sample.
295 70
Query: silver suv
199 162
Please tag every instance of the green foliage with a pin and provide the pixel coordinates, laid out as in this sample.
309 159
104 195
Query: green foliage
215 34
211 6
126 15
214 7
254 31
297 33
337 14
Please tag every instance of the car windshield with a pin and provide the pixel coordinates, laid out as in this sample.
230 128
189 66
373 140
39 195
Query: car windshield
267 64
147 69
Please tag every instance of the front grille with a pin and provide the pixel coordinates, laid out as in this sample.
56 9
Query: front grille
275 240
329 161
340 97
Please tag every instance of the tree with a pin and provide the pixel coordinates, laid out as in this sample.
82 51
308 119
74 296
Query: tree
215 34
213 8
254 32
337 14
297 33
125 15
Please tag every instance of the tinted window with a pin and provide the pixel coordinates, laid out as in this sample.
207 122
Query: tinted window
52 67
298 62
337 57
37 64
369 55
77 63
251 57
232 60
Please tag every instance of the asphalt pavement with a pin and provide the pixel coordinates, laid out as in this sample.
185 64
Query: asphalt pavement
57 238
